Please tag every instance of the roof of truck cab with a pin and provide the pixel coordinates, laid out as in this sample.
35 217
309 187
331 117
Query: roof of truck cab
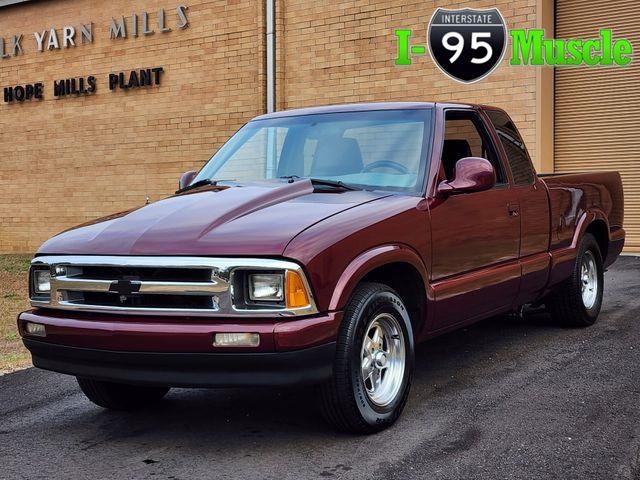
356 107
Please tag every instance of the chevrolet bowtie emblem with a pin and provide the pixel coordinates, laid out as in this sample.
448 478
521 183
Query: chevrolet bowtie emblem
124 287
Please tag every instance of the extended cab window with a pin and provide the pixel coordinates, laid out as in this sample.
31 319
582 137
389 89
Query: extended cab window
514 147
465 136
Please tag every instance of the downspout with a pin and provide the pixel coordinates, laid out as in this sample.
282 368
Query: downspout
270 21
271 85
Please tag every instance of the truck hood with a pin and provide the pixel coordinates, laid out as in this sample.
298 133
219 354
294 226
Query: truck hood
254 219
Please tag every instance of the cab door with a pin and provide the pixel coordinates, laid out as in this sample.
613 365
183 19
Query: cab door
534 202
475 270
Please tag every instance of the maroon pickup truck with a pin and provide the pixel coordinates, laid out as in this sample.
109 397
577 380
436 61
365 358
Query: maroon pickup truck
318 246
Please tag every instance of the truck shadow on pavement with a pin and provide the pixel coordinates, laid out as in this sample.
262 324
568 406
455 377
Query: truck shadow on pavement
443 366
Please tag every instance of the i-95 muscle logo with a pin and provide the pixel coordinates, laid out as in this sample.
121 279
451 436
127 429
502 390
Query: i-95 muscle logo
467 44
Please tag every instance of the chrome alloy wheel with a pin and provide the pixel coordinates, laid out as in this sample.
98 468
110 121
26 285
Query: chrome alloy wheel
383 359
589 279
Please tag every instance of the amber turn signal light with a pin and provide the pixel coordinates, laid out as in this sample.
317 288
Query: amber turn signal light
297 295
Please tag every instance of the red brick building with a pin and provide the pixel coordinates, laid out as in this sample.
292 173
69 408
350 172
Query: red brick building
69 158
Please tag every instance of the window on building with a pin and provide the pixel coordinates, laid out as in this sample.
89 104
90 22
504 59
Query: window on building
517 155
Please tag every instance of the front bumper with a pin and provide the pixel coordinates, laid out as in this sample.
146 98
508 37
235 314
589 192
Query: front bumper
300 367
179 351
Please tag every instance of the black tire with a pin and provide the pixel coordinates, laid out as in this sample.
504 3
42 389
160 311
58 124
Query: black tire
566 304
119 396
345 402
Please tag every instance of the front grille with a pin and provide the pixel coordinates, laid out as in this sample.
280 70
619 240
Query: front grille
138 287
156 285
147 273
148 301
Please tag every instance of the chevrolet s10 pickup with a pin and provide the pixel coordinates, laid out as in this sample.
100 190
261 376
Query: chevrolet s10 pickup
319 246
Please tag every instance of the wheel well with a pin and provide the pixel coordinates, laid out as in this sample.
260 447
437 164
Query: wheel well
598 229
405 279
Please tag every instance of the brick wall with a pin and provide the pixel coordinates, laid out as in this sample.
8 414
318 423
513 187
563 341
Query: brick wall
65 161
343 51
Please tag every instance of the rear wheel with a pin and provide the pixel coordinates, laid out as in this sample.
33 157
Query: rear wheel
577 302
119 396
373 365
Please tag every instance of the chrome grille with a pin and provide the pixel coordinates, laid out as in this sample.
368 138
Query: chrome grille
198 286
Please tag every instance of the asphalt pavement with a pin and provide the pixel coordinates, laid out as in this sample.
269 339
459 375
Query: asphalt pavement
512 398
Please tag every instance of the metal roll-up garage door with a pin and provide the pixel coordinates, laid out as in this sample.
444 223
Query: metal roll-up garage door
597 109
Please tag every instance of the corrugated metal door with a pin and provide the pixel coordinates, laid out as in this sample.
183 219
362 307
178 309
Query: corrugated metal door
597 109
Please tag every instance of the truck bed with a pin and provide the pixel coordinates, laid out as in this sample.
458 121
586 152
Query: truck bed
571 194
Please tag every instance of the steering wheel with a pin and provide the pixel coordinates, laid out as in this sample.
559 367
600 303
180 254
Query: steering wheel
385 164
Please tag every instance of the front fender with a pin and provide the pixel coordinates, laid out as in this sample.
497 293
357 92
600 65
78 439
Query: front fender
367 262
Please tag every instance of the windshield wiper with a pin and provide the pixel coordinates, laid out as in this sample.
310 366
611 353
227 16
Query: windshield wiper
323 183
201 183
291 178
332 183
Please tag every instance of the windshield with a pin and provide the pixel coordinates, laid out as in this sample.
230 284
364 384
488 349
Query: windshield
383 149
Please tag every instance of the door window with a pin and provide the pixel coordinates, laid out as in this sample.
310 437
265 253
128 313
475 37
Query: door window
465 136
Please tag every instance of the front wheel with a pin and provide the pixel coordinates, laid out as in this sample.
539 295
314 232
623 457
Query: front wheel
578 300
373 366
119 396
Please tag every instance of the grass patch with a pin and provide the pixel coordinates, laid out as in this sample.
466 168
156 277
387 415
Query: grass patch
14 295
15 263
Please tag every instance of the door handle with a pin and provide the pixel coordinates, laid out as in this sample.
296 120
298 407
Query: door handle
513 209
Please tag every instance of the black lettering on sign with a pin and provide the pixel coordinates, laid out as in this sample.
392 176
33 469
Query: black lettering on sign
58 88
74 86
20 93
121 81
91 80
133 80
158 71
136 78
145 77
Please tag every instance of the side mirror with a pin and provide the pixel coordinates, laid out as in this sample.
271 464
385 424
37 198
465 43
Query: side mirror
186 178
473 174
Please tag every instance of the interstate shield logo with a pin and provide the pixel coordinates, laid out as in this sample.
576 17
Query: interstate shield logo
467 44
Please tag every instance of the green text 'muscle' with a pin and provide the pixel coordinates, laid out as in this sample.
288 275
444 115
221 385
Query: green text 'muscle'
529 47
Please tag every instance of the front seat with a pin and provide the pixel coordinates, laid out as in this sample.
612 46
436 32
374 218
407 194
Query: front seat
336 156
452 151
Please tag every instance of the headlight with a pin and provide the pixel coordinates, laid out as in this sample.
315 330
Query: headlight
266 287
41 281
272 289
